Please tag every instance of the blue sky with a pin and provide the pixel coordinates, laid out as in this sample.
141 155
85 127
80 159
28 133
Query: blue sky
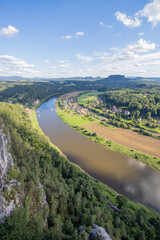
66 38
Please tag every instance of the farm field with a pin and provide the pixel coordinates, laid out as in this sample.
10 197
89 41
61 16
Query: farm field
70 95
85 98
127 138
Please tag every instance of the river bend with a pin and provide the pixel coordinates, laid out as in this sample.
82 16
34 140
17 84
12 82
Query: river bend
127 176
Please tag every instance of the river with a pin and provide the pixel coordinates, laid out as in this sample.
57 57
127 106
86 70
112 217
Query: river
127 176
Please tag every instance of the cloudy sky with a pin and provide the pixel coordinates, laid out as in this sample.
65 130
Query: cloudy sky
66 38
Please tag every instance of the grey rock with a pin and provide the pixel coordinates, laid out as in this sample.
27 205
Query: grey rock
44 202
6 161
98 233
81 229
13 183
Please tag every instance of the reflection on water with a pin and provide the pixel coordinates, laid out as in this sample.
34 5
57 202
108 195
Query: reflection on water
127 176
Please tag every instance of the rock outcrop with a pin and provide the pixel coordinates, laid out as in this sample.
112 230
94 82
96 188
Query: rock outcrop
9 196
98 233
6 160
11 193
44 202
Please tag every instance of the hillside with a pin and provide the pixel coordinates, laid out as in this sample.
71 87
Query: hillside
72 197
116 81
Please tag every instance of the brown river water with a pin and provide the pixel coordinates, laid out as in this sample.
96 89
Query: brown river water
127 176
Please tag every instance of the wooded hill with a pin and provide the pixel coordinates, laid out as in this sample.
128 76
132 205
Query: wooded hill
73 198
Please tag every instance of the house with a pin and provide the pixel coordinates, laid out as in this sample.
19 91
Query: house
127 112
114 108
27 110
36 102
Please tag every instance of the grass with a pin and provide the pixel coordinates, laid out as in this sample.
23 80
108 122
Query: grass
35 125
75 121
86 97
34 121
154 130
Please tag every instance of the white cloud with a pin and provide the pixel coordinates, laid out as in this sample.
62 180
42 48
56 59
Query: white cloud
128 21
133 50
83 58
104 25
63 61
16 66
151 11
101 23
46 61
101 55
64 65
114 48
68 37
58 68
151 58
124 55
9 31
137 58
14 62
141 46
141 34
53 67
78 34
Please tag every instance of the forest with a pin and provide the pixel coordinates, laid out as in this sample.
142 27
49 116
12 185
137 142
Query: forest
140 102
25 92
73 198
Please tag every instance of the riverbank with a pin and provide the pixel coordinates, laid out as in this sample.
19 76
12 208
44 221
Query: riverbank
127 138
77 122
35 125
129 209
107 191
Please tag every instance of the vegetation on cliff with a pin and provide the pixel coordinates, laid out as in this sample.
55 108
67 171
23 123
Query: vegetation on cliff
74 198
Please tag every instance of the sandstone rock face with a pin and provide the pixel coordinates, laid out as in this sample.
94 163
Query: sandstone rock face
98 233
9 197
6 160
44 202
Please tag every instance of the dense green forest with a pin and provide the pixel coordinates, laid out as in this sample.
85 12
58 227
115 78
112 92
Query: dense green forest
140 102
27 92
73 198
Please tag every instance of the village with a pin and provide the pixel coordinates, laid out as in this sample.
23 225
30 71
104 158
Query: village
113 117
36 102
72 104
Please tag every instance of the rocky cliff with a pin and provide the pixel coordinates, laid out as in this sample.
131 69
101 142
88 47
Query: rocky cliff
6 160
9 194
98 233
